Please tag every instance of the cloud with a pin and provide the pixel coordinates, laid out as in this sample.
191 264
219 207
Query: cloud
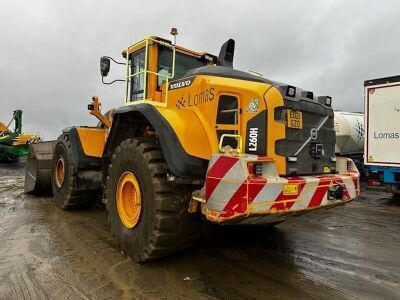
49 54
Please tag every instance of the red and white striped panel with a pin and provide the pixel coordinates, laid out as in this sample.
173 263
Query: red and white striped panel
231 192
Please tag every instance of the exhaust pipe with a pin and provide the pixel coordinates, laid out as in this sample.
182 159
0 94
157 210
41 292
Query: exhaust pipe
38 167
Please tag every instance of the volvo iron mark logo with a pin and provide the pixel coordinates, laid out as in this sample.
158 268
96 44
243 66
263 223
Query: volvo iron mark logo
314 134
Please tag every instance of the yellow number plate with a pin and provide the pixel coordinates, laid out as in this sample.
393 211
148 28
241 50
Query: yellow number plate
290 189
295 119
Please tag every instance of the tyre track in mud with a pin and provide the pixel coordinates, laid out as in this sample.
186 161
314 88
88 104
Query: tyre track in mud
24 275
120 276
355 248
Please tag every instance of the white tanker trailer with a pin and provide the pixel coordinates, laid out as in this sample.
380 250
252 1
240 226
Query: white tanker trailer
349 129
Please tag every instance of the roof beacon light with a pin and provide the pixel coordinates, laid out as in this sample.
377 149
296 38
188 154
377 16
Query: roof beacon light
174 32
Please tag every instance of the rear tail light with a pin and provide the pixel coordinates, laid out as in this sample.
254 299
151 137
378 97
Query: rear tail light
257 169
262 169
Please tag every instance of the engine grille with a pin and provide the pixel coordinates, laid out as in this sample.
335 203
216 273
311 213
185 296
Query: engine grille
313 113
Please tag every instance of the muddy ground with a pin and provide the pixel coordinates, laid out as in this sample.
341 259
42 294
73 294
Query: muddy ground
343 253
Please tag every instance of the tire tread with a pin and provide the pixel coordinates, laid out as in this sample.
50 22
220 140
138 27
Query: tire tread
174 228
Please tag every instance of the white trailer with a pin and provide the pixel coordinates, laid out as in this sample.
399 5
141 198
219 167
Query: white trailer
382 142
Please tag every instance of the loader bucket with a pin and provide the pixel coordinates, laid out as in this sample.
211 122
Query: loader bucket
38 167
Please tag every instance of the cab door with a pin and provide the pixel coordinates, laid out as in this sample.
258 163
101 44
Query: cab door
228 121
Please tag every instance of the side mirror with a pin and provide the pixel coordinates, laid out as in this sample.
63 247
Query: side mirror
104 66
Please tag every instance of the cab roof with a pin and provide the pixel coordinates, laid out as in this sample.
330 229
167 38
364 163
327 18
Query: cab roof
178 48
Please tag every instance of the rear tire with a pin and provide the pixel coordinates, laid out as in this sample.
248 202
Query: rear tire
65 190
164 225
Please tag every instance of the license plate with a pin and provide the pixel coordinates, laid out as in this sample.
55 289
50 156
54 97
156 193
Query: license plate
295 119
290 189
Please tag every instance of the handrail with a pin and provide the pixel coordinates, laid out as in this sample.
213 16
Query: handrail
239 149
148 41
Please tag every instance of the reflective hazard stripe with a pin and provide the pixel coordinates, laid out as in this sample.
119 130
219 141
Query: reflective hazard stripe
218 167
320 193
284 202
231 191
243 197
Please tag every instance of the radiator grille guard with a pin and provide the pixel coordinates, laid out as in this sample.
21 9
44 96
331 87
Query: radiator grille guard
299 143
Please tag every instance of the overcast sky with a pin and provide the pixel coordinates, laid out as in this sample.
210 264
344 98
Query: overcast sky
49 50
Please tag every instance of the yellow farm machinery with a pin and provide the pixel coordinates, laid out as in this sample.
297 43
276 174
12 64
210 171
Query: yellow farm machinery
14 143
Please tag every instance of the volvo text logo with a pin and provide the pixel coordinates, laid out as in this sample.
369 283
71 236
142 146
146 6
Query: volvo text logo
314 134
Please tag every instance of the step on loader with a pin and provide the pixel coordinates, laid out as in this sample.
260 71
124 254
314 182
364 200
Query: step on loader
195 141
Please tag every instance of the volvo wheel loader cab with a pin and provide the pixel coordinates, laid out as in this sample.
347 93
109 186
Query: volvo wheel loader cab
197 139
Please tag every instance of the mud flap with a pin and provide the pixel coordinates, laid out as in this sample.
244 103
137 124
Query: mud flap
38 167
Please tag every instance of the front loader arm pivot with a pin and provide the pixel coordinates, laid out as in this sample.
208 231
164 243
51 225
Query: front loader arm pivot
94 108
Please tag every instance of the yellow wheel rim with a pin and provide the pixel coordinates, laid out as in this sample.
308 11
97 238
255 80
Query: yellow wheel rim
60 171
129 199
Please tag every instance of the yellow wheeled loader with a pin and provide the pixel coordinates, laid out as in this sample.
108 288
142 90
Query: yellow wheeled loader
197 140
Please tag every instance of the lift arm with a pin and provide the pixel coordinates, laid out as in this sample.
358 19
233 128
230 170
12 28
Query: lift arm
94 108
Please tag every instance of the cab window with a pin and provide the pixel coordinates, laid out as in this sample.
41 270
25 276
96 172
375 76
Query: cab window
227 110
183 64
228 115
137 82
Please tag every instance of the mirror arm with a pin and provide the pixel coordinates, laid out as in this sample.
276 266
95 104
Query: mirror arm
102 80
117 62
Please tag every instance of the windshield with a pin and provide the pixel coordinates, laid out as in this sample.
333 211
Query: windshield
183 64
136 83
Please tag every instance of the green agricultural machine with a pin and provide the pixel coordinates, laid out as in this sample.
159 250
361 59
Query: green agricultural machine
15 144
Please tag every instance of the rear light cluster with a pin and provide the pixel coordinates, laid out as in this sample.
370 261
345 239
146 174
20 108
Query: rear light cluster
262 168
291 91
255 169
324 100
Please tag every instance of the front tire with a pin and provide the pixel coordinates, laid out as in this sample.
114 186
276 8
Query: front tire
64 179
157 223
